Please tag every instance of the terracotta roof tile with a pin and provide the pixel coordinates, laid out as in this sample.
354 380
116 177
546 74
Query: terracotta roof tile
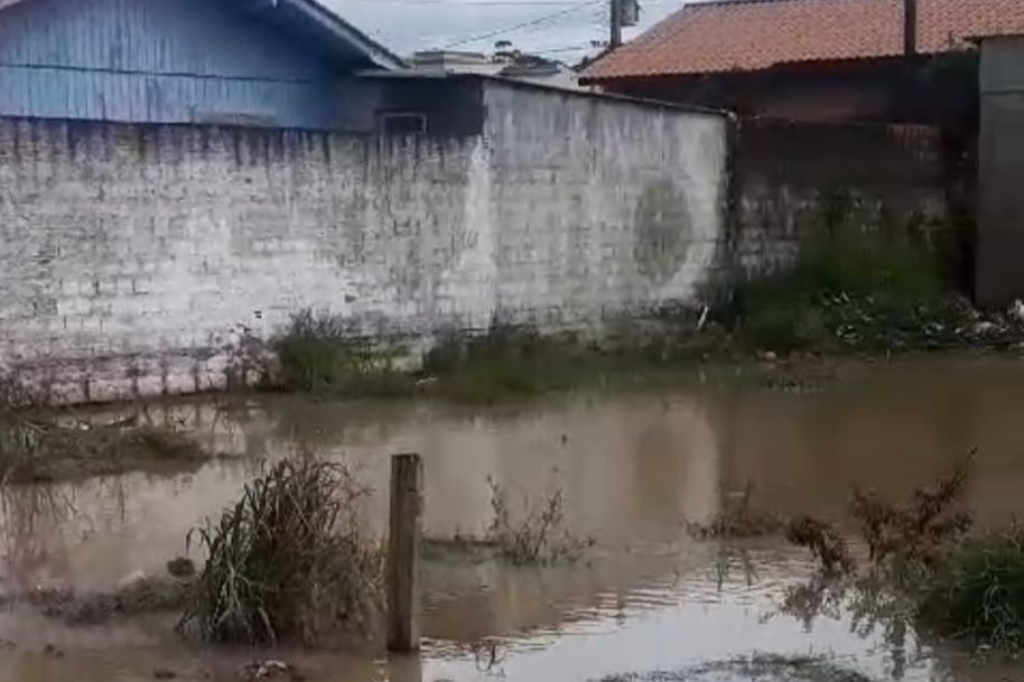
747 35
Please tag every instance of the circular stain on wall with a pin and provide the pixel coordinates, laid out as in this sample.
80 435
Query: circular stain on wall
663 231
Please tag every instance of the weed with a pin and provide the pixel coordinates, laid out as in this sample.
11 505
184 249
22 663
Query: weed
539 537
146 595
506 363
288 560
917 531
42 450
977 593
922 565
319 353
852 288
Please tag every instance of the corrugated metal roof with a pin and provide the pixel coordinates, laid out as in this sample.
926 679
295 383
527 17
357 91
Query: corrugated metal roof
312 15
749 35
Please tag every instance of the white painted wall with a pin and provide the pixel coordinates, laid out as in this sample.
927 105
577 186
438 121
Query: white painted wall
135 259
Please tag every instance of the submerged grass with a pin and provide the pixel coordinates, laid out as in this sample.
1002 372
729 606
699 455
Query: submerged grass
538 535
44 450
288 561
142 596
738 519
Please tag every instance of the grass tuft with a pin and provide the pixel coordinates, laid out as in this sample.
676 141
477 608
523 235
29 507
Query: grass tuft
977 593
288 561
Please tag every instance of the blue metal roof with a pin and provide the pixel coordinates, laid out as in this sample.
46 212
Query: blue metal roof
316 21
309 20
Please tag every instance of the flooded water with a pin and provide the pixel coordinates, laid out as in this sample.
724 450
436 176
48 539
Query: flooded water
634 468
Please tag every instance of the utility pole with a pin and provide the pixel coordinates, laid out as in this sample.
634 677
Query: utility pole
615 40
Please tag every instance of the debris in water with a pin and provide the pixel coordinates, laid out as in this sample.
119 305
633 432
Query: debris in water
181 568
264 670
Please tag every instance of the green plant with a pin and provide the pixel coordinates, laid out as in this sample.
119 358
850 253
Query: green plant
41 449
977 593
288 560
507 363
850 287
538 536
317 352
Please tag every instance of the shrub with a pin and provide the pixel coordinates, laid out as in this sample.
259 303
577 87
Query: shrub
288 560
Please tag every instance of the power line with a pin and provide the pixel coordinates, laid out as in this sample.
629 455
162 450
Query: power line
526 24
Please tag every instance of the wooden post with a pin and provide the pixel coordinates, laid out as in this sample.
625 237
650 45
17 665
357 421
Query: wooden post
403 553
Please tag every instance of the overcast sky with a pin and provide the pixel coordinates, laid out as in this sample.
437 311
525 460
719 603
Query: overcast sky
561 29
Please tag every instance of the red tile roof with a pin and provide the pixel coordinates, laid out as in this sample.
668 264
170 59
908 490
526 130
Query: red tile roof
747 35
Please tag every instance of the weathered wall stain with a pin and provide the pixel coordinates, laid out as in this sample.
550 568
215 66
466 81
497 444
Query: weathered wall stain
664 230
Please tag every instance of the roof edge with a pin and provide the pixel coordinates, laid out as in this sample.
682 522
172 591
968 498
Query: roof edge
795 63
413 74
377 53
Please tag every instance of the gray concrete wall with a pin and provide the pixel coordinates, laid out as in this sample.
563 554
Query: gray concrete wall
148 259
1000 238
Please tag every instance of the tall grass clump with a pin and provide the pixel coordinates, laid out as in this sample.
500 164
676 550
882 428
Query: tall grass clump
288 561
318 352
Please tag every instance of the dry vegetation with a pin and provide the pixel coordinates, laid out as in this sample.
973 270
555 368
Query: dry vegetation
538 535
289 560
737 519
923 565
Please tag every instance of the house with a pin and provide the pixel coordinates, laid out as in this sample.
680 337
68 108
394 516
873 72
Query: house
831 60
274 63
503 64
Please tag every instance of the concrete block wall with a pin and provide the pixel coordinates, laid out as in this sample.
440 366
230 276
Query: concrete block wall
138 260
785 173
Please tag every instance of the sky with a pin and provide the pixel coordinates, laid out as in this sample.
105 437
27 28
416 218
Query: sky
557 29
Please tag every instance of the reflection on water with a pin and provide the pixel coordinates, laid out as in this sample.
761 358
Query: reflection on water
633 468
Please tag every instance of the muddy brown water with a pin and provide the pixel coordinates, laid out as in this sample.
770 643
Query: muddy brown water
633 468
